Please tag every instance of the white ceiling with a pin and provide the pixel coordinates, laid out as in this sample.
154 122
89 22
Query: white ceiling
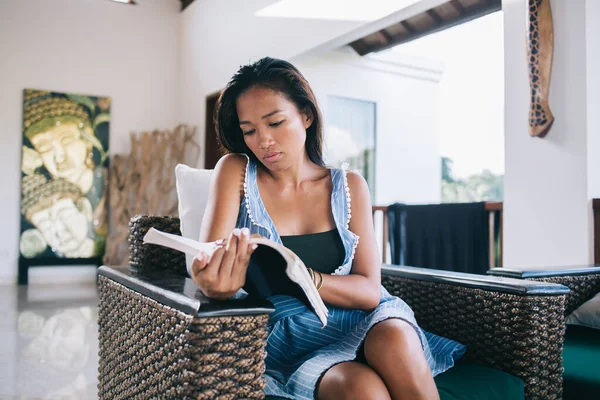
344 10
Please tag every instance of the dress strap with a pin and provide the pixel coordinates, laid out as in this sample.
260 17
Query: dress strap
342 208
344 168
256 212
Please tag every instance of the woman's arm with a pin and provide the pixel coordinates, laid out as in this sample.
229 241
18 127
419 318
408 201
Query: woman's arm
224 197
361 288
221 275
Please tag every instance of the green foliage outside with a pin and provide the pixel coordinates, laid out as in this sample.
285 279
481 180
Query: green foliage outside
485 186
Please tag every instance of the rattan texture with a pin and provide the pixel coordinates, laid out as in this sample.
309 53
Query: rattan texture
521 335
150 351
150 257
583 288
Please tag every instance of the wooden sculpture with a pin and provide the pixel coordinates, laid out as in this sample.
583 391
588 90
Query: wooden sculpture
540 46
143 182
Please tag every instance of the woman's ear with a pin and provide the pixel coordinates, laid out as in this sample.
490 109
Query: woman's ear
307 117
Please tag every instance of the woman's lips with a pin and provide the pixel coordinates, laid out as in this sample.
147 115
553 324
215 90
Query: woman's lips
271 157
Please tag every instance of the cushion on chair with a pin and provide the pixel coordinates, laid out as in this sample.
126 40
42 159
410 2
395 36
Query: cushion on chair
582 363
587 314
192 193
474 382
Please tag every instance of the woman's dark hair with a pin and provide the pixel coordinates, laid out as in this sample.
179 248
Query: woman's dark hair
284 78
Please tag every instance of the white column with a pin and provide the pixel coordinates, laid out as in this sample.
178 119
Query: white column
546 221
593 95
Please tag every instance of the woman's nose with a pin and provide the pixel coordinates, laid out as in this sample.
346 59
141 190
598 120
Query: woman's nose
265 140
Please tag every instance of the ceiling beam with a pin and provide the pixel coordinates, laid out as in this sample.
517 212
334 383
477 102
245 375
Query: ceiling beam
457 6
185 3
406 25
385 37
467 14
435 16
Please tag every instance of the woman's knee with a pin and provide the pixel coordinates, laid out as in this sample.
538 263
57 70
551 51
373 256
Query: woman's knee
394 351
393 340
352 380
392 330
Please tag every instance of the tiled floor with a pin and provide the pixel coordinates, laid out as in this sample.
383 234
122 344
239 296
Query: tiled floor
48 342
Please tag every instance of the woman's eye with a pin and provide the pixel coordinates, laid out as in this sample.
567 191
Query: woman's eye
276 123
250 132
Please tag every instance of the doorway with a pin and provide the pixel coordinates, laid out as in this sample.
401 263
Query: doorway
212 148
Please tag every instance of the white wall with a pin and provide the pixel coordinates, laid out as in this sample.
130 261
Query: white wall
95 47
407 97
593 95
546 220
219 36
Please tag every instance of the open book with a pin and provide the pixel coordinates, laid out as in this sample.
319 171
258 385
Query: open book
273 269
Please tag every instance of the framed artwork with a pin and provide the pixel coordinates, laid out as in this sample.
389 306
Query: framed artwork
64 173
350 136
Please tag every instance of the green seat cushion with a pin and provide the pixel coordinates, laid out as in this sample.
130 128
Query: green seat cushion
473 382
581 360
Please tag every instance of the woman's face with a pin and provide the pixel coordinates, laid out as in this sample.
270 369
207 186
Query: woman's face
273 127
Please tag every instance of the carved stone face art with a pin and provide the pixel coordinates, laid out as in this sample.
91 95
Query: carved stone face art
60 131
62 216
65 226
63 175
64 153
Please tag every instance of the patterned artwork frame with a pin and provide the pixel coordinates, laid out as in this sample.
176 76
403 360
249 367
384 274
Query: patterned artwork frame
64 175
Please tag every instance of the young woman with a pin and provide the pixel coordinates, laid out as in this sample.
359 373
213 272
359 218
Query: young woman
275 183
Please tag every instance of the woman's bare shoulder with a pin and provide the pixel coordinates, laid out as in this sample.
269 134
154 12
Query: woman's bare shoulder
231 163
229 174
359 189
230 169
225 196
356 182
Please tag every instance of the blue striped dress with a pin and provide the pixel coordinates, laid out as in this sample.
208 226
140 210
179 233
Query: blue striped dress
299 349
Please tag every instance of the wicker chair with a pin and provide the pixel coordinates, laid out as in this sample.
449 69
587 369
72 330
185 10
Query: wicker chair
580 382
583 281
161 338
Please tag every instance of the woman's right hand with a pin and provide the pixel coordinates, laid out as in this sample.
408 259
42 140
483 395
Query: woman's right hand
221 276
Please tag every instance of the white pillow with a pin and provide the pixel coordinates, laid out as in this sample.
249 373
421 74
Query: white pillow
192 193
588 314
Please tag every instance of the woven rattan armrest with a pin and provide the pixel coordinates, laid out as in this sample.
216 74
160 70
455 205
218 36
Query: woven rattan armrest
584 281
514 325
161 338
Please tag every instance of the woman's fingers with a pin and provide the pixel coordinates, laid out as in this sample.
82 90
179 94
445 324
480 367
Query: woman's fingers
242 257
210 274
245 250
199 263
230 253
238 275
224 272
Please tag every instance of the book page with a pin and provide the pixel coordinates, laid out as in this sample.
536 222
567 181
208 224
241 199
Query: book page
295 270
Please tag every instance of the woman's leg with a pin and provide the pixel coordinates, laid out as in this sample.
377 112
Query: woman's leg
351 380
393 349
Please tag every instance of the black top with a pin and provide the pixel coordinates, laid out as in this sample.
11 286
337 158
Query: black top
323 251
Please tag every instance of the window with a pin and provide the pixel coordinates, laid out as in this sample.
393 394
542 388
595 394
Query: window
350 136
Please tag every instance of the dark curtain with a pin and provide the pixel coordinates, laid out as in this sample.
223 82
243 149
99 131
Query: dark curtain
453 237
